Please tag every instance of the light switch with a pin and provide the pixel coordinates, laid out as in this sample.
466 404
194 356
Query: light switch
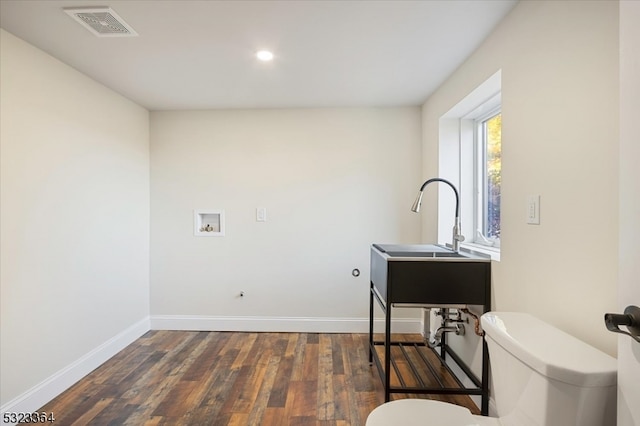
533 210
261 214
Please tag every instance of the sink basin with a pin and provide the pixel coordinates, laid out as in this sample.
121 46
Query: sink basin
423 254
430 274
424 251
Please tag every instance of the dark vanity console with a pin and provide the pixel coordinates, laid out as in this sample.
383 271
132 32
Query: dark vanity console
429 276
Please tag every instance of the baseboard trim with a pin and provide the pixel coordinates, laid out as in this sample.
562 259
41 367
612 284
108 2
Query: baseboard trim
280 324
54 385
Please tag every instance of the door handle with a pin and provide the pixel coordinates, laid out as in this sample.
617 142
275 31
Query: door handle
630 319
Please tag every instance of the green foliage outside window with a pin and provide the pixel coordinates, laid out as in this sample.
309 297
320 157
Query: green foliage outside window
493 129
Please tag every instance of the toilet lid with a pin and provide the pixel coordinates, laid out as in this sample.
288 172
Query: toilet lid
420 412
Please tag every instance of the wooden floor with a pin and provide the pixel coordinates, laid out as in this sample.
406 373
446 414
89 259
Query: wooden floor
223 378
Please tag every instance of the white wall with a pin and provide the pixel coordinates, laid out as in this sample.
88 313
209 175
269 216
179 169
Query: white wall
74 228
333 181
629 281
559 64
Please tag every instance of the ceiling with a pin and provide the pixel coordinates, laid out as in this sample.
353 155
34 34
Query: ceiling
201 54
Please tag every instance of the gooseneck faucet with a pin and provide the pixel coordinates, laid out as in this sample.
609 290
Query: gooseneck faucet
457 237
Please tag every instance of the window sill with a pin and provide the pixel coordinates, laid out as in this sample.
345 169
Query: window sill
494 252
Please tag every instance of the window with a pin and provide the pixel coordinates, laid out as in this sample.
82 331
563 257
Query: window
489 165
470 156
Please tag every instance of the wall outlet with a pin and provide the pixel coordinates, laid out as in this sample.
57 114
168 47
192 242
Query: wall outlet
533 210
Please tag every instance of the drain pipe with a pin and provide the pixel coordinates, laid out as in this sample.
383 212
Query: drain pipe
435 339
457 329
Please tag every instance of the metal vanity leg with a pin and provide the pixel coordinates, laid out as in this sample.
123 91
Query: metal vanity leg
371 323
443 339
387 353
484 410
485 348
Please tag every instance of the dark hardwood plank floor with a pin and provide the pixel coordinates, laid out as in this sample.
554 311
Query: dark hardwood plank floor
223 378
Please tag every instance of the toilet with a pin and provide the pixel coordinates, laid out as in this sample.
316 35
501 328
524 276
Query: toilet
540 376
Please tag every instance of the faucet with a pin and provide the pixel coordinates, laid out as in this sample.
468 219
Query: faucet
457 237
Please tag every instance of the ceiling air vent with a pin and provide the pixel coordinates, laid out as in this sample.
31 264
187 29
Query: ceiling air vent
101 21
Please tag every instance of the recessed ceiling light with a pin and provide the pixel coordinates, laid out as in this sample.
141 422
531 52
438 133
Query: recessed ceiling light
264 55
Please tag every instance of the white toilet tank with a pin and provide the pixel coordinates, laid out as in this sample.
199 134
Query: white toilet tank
542 376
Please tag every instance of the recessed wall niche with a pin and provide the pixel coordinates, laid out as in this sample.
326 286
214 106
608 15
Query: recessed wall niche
208 223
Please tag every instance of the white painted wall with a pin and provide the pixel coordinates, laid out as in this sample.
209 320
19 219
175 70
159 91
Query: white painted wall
559 64
74 224
333 182
629 277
